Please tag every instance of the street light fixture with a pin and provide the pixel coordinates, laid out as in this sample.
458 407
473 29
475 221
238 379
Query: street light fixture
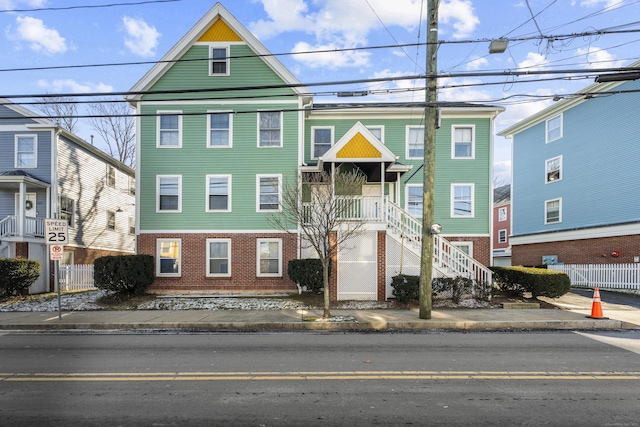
498 45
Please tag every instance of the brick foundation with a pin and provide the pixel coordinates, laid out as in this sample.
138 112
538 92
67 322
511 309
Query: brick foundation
583 251
243 277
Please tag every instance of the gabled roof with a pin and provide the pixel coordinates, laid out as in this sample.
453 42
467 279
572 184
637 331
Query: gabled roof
562 105
220 25
502 194
359 145
26 112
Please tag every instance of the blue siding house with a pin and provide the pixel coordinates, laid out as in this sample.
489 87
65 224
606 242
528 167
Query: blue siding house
576 179
47 172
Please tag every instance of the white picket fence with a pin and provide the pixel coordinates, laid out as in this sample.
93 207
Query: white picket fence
603 276
76 277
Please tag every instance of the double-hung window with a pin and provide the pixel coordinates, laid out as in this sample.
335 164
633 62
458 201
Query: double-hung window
554 128
269 257
553 211
415 142
220 135
502 214
377 131
67 210
111 220
268 197
168 252
463 142
132 225
270 129
553 169
462 200
322 140
414 200
169 129
219 61
111 176
26 151
169 189
502 236
218 193
218 257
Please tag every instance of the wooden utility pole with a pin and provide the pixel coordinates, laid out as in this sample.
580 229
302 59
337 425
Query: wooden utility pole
430 124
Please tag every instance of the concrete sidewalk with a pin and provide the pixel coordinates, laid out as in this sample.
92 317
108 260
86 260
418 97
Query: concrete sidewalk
571 314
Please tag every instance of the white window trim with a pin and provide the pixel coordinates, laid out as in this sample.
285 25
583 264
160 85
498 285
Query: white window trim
546 128
406 141
230 144
35 151
169 113
179 273
72 213
281 129
459 244
228 273
258 177
258 273
546 172
503 209
546 205
406 196
381 127
505 236
473 141
229 187
225 46
111 213
109 169
473 190
158 177
313 138
129 225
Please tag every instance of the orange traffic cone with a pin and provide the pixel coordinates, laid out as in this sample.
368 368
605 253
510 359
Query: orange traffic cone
596 307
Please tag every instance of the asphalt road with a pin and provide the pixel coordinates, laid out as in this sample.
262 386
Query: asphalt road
315 379
611 297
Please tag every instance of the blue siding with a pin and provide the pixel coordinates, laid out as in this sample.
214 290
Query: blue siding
10 117
600 182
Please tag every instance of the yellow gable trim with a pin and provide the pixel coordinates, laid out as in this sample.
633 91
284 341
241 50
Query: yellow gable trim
358 147
220 32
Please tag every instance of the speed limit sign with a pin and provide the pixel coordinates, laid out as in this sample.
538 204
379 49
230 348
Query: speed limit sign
56 231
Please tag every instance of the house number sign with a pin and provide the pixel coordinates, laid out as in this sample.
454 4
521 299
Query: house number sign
56 231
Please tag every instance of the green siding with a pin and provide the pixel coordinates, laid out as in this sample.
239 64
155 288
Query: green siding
192 72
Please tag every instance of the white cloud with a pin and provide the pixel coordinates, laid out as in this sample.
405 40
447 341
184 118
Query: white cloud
41 38
534 61
599 58
141 39
330 60
596 3
476 63
461 15
71 86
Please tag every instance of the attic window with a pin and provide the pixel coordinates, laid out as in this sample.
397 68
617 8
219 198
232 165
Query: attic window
219 61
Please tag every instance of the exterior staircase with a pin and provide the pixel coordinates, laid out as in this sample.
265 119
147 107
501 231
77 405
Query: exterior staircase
448 260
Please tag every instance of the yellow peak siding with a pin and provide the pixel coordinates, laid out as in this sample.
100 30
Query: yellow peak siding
219 32
359 148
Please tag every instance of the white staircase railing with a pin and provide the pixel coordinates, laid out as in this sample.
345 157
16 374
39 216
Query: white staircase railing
446 257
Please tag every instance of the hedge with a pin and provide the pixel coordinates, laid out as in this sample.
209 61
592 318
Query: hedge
123 274
307 273
17 274
539 281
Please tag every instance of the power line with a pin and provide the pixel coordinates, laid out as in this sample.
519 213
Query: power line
42 9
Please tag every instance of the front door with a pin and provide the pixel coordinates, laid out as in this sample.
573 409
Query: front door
30 205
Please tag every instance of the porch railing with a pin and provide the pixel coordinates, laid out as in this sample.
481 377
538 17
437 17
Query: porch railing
10 227
365 208
603 276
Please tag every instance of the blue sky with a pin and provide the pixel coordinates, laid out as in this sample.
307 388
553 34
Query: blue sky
146 31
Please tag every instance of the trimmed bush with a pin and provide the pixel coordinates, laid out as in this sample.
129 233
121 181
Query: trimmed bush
17 274
307 273
405 288
123 274
539 281
456 286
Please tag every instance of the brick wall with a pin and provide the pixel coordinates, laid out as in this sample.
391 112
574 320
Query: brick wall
481 248
583 251
243 264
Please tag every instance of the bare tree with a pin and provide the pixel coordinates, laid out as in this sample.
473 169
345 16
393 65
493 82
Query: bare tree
332 206
114 123
62 110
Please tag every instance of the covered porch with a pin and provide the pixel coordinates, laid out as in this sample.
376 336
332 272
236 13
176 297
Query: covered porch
24 204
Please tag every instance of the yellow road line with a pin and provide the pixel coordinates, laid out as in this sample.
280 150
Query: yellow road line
327 376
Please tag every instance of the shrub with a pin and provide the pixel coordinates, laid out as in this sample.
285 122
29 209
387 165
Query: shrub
123 274
307 273
17 274
405 288
540 282
456 286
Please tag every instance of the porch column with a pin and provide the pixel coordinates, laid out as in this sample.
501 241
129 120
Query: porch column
398 189
383 213
22 209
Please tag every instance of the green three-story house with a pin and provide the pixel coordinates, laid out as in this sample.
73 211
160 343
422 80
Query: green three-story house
223 125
